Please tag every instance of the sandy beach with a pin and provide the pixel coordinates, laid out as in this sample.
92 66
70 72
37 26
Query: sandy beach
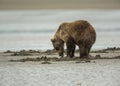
38 68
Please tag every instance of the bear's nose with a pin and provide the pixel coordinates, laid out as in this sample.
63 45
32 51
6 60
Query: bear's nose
57 48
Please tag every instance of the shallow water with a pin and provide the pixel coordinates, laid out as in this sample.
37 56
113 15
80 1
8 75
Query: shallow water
32 29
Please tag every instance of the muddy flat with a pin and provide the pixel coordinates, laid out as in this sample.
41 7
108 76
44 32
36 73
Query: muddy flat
36 68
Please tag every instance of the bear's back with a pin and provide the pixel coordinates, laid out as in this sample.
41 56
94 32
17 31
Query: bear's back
80 30
79 25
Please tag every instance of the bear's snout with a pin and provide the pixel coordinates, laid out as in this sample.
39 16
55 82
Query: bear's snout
57 48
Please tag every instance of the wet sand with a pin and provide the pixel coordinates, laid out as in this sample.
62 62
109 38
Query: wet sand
38 68
52 55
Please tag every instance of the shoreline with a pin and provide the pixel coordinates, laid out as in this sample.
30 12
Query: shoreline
52 55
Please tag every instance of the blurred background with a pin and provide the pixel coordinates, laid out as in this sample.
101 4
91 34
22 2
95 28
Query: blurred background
29 24
59 4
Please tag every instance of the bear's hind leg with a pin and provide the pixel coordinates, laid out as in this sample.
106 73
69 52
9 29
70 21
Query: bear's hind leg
89 48
83 52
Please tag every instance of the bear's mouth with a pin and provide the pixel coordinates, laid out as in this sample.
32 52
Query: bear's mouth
57 48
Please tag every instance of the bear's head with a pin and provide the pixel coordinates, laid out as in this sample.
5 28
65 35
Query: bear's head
57 43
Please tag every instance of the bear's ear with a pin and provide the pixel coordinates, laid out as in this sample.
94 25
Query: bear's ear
53 40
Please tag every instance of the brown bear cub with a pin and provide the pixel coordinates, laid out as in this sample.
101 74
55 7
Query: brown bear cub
79 33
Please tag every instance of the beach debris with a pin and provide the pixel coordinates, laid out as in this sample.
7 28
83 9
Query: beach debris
11 60
46 62
21 53
25 52
107 50
34 51
45 59
26 59
49 52
97 56
84 61
8 51
117 57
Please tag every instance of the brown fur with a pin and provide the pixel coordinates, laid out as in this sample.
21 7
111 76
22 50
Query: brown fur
79 33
